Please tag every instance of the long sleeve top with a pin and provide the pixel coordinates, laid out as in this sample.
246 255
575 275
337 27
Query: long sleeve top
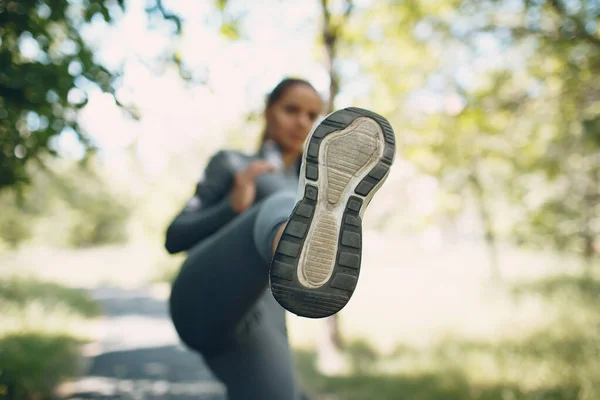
209 209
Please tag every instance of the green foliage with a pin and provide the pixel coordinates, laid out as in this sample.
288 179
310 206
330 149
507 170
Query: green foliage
96 214
70 206
362 356
17 292
517 134
38 350
15 224
382 40
561 124
580 290
46 70
99 220
33 364
559 362
14 229
230 30
41 90
447 384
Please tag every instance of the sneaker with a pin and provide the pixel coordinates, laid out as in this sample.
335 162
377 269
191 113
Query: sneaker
316 265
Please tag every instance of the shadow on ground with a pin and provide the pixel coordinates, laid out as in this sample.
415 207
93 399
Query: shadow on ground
140 355
171 363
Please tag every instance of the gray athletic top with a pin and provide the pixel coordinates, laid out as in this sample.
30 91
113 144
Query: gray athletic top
209 208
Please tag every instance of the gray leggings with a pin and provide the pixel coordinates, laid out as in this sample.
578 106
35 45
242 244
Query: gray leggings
221 307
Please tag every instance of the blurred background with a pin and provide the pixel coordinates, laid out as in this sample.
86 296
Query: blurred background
480 277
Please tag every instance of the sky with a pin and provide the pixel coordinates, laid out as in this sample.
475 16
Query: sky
278 39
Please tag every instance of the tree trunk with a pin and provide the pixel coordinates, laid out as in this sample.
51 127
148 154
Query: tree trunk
487 224
330 359
590 201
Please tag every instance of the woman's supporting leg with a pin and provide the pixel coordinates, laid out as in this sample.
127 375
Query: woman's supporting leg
258 364
225 275
220 307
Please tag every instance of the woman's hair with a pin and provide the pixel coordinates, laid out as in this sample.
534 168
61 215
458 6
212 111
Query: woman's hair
278 92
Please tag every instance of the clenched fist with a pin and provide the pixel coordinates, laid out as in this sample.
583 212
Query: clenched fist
244 185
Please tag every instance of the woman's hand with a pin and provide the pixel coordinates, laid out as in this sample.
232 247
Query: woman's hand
244 185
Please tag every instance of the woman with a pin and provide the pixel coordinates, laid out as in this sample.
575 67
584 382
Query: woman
245 227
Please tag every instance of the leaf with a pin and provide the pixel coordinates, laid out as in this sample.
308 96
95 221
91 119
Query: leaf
230 30
221 4
41 85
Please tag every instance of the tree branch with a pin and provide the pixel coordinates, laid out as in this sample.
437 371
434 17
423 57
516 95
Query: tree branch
349 8
167 15
583 34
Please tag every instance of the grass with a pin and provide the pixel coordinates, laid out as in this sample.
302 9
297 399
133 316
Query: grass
32 364
560 361
44 326
467 371
453 338
446 384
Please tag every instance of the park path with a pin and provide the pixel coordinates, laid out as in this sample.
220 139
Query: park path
137 354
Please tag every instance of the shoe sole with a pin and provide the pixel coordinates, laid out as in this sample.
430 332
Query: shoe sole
316 265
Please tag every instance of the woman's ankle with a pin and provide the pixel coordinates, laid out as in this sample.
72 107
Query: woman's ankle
277 237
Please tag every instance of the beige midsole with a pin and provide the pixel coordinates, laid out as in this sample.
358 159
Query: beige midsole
336 183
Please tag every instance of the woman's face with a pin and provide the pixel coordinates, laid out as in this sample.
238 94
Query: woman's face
291 117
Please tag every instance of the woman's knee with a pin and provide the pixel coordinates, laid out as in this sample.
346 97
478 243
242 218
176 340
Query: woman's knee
194 330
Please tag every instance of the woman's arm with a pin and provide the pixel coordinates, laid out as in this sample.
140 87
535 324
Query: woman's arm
189 227
208 210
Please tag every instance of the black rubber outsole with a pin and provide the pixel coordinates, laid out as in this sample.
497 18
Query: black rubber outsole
334 294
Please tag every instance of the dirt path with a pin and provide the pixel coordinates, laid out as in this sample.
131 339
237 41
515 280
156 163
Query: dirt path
138 355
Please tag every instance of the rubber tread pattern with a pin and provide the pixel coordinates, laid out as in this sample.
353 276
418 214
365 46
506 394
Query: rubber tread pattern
332 296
